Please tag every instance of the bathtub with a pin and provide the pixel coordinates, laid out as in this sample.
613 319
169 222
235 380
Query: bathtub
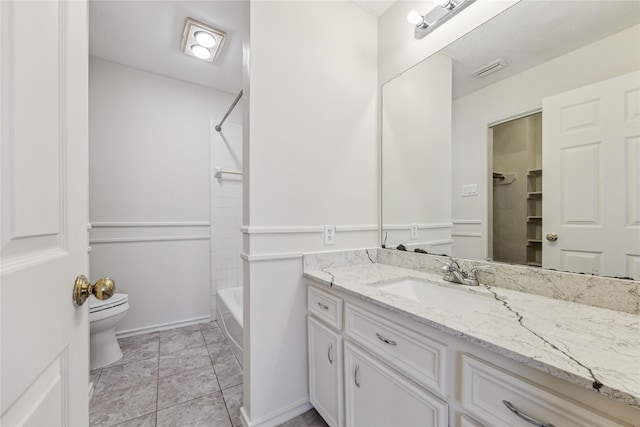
230 318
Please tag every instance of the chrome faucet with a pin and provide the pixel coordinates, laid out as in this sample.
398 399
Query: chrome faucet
455 274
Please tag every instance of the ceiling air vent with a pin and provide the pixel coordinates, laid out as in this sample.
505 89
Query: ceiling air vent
492 67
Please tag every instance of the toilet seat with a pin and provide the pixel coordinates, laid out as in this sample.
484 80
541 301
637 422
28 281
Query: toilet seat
96 305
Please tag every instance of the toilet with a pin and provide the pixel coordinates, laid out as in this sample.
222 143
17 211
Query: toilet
104 316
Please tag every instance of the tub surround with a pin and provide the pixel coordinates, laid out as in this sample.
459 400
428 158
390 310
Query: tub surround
581 343
230 316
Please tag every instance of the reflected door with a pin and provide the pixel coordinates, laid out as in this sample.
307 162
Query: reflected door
591 180
45 338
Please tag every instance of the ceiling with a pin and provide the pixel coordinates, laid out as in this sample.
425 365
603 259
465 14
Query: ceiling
533 32
147 35
375 7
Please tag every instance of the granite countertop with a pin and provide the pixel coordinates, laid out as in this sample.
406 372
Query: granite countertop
592 347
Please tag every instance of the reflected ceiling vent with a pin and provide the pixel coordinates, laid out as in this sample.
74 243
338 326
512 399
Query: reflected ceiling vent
490 68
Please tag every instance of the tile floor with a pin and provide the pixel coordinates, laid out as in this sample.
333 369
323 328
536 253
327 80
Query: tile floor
181 377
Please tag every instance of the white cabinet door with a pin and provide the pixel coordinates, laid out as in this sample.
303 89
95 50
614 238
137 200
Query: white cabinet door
378 396
43 105
325 372
591 178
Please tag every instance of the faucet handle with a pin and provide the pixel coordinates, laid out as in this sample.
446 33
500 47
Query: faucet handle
472 273
450 263
449 266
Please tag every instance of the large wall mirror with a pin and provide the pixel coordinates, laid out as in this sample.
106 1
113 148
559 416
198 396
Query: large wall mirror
520 142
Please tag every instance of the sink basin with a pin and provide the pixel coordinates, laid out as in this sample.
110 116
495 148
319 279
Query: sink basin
431 294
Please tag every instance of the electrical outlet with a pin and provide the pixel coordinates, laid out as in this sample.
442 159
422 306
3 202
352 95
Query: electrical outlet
414 231
469 190
329 234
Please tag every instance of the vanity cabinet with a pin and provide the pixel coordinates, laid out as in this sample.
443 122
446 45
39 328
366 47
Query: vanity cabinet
325 372
386 368
369 366
498 396
377 395
416 356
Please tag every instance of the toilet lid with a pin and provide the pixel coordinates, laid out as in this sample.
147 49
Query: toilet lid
98 305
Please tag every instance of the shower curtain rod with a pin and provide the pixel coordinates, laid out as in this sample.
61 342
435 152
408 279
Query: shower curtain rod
219 127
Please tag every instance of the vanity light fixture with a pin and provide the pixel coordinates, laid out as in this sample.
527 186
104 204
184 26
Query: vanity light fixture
201 41
444 10
446 4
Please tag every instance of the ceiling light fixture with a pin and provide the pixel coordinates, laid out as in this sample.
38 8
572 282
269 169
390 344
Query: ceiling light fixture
205 39
201 41
200 51
444 10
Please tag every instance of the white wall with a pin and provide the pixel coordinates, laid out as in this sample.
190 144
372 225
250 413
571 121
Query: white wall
311 152
472 114
149 191
416 156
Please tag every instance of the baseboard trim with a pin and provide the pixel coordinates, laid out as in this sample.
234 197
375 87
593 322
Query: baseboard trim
276 417
163 326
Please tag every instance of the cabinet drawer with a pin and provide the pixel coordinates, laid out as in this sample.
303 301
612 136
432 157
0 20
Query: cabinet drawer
378 396
325 306
422 359
485 388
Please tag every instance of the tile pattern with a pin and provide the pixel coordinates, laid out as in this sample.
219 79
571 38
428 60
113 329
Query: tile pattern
226 213
181 377
311 418
184 376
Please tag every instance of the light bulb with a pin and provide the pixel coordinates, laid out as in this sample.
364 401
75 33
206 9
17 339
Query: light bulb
200 51
205 39
415 18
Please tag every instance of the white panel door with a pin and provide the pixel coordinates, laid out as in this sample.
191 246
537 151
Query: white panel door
591 178
43 106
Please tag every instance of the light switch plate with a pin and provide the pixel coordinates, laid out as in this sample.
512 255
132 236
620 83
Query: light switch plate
329 234
469 190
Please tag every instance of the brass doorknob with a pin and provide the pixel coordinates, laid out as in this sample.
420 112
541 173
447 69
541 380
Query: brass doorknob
552 237
103 289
